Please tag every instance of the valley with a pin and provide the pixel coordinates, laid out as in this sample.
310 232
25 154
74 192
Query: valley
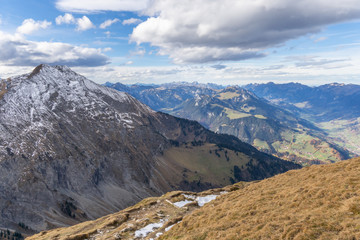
269 126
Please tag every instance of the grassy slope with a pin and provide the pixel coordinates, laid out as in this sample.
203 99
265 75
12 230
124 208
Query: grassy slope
317 202
304 146
205 164
122 225
344 132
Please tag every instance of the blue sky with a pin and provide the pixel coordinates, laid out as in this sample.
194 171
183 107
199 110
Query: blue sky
224 42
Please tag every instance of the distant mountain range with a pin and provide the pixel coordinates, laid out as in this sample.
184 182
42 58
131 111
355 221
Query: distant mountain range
72 150
319 202
274 128
323 103
332 107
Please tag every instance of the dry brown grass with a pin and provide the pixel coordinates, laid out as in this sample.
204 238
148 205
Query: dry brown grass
3 89
122 225
317 202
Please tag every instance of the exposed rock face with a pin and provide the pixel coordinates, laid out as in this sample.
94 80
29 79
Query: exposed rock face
71 150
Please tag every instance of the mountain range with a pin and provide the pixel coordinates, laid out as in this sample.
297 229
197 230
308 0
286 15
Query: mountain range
72 150
320 103
270 127
332 107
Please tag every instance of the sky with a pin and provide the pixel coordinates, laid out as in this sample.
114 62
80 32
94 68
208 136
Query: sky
225 42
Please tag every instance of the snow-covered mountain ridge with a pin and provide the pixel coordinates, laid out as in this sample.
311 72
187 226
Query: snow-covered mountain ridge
51 93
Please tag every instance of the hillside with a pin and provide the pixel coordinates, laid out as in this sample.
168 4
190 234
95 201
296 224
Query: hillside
317 202
72 150
271 129
236 111
332 107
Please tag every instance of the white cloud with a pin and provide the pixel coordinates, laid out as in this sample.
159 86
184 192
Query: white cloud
196 31
30 25
108 23
108 49
84 24
138 52
131 21
67 19
317 62
0 20
87 6
233 73
15 50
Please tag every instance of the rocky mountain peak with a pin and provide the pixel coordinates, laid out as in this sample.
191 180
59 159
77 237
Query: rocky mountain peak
72 150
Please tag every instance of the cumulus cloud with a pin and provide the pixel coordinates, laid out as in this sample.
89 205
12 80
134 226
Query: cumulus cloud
88 6
17 51
198 31
67 19
131 21
108 23
30 25
84 24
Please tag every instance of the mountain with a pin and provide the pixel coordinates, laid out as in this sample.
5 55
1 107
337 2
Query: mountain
322 103
238 112
332 107
165 96
72 150
317 202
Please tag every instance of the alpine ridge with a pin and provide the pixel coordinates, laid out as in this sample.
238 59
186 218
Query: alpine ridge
72 150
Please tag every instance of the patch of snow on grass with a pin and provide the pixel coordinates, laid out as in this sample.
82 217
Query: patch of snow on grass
143 232
169 227
189 196
203 200
180 204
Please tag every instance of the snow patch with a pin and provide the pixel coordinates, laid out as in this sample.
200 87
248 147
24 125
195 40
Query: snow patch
203 200
169 227
180 204
143 232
